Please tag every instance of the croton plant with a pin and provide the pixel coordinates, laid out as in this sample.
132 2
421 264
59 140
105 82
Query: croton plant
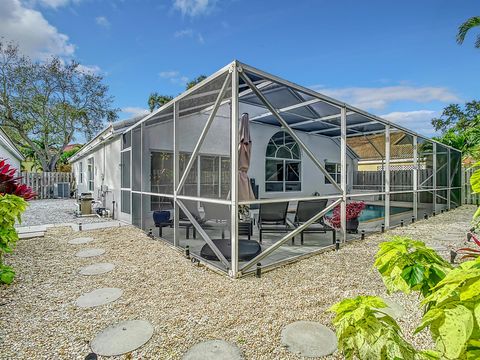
13 202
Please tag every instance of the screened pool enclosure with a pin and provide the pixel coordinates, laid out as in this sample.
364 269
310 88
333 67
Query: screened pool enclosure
247 170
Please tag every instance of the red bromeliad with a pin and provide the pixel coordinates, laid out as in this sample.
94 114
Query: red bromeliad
471 252
353 211
9 184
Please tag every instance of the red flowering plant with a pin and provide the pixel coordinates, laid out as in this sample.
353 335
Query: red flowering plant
471 252
13 202
353 211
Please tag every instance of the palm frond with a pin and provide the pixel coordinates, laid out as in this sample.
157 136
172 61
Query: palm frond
465 27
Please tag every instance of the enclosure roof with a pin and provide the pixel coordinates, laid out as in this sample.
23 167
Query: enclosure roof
303 109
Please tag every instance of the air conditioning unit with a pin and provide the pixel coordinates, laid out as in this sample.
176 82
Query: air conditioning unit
61 190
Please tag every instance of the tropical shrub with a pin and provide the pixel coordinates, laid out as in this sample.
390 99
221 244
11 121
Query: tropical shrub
471 252
13 196
407 265
352 211
365 332
454 313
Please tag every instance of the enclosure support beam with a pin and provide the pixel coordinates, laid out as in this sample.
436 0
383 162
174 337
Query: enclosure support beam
343 172
387 176
290 235
449 180
288 129
176 173
434 175
203 234
234 140
415 177
204 133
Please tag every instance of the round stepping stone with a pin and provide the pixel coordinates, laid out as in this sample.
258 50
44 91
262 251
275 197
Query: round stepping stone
213 349
395 310
96 269
122 338
90 253
309 339
80 240
98 297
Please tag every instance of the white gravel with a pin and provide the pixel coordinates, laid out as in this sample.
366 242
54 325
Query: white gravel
54 211
187 304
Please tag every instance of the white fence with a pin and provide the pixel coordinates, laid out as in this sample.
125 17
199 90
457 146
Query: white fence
45 184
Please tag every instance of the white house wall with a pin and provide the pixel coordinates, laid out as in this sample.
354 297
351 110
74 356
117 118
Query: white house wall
7 154
106 172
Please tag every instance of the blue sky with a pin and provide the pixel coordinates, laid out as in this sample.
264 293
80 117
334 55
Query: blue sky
397 59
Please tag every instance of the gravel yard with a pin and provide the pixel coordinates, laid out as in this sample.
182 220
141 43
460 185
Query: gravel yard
54 211
187 304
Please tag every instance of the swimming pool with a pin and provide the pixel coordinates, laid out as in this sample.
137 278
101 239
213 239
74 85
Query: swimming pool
372 212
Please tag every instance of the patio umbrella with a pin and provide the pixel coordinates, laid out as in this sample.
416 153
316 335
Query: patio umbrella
245 192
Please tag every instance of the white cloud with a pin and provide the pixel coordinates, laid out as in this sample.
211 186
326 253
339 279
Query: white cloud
417 120
183 33
102 21
194 7
380 97
135 111
189 33
174 76
52 3
89 69
35 36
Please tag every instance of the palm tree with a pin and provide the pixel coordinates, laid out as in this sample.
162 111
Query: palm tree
465 27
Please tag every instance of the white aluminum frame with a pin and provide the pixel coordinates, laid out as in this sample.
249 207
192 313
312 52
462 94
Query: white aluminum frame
234 72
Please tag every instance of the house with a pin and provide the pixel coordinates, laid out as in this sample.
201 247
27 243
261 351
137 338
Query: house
9 151
96 167
307 150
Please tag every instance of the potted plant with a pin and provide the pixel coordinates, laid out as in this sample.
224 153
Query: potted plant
353 211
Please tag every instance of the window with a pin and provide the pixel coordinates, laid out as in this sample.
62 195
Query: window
335 170
90 173
80 172
282 164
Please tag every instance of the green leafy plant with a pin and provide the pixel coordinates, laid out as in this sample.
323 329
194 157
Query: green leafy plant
407 265
366 332
11 207
454 313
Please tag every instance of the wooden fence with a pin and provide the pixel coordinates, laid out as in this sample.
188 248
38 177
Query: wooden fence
43 184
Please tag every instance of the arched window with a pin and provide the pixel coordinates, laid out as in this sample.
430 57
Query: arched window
282 164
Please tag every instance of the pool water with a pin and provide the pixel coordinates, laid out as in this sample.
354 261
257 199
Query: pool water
372 212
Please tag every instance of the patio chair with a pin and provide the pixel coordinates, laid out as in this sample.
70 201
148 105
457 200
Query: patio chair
185 222
308 209
272 218
162 219
218 214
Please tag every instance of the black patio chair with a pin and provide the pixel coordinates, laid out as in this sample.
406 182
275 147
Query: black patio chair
184 221
308 209
272 218
216 215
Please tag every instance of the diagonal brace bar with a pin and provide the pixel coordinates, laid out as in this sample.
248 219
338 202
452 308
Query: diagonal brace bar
288 236
288 129
204 133
204 234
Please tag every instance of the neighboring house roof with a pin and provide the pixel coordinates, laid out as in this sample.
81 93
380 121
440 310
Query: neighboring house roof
72 146
8 144
372 147
111 132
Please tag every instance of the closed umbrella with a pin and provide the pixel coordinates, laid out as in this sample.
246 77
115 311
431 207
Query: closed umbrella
245 192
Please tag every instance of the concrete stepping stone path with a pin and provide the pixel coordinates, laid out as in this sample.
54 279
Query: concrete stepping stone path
309 339
86 253
96 269
80 240
213 349
99 297
122 338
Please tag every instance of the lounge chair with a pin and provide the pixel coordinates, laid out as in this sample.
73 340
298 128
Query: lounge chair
272 218
218 214
308 209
